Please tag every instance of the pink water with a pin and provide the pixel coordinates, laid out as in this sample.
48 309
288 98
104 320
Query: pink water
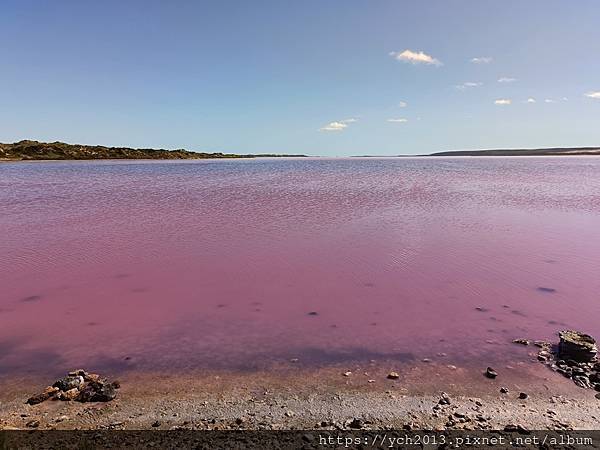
216 264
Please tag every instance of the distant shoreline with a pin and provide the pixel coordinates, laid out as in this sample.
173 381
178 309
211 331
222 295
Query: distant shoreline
558 151
60 151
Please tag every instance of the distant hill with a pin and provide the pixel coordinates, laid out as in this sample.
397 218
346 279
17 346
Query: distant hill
524 152
34 150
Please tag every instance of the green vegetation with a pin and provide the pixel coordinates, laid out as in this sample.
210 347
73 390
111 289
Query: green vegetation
34 150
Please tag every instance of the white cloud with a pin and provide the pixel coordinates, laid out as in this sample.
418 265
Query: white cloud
506 80
402 104
482 60
593 94
338 125
468 84
503 101
334 126
530 100
397 120
415 57
549 100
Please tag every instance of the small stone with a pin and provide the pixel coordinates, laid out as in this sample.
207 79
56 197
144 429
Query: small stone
156 424
504 390
523 395
426 360
355 423
289 413
521 341
239 421
370 381
597 395
444 399
33 424
393 375
294 360
347 374
582 381
313 313
491 373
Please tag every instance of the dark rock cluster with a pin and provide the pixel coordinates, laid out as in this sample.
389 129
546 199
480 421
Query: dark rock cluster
80 386
574 358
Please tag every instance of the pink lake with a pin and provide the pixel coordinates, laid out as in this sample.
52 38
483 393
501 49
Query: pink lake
217 264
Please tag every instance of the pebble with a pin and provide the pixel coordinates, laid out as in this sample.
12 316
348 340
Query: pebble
347 374
156 424
523 395
393 375
33 424
503 390
491 373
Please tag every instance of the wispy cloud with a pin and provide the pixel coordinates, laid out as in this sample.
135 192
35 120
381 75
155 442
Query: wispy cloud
549 100
468 84
530 100
503 101
506 80
401 120
402 104
593 94
482 60
339 125
412 57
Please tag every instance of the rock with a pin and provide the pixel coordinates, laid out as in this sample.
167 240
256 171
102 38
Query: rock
49 392
69 395
33 424
582 381
97 392
523 395
521 341
444 399
597 395
393 375
156 424
68 382
313 313
347 374
577 346
503 390
491 373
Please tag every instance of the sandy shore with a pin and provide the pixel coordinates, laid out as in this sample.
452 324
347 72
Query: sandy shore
326 398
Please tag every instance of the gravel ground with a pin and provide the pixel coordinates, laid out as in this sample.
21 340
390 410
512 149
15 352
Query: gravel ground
360 396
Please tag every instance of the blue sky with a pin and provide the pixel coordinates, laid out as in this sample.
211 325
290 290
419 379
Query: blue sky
321 77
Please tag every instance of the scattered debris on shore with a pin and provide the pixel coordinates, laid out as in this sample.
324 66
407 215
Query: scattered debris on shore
575 357
80 386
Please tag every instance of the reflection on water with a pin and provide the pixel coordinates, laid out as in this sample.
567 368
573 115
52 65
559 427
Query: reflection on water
241 264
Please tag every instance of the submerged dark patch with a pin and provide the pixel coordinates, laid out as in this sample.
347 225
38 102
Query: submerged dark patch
546 289
31 298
